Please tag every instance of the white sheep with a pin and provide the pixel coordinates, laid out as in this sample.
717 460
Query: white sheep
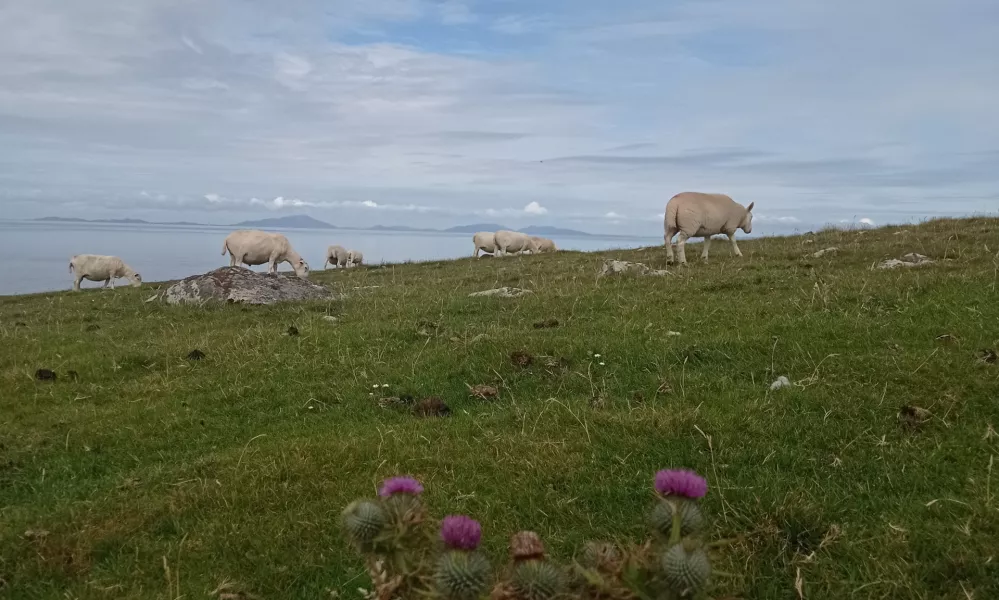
485 241
254 247
514 242
354 258
544 244
97 267
336 256
695 214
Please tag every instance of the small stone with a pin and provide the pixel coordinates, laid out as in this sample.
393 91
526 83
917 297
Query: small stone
45 375
824 252
195 355
780 383
292 330
913 416
484 392
988 356
431 407
521 358
546 324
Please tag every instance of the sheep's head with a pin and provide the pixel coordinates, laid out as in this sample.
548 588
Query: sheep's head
747 221
301 268
136 280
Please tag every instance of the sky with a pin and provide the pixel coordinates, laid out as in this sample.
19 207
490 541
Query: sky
579 113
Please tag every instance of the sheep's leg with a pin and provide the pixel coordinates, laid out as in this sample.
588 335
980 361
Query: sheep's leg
476 254
735 247
681 248
272 265
232 259
670 234
76 284
707 244
112 281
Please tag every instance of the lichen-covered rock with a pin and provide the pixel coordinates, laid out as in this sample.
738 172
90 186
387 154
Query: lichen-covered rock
236 284
621 267
503 292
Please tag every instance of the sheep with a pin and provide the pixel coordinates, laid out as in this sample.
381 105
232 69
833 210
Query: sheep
97 267
484 241
354 258
255 247
544 244
514 242
336 256
695 214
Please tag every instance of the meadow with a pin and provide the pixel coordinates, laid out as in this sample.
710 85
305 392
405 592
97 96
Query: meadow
141 473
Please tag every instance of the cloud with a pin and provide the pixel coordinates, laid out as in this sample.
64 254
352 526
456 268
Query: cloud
423 110
867 221
613 215
535 209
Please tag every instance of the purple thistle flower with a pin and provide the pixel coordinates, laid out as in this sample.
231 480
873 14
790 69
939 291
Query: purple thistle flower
400 485
461 532
681 482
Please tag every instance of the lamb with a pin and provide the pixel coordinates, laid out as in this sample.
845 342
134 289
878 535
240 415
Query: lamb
544 244
696 214
255 247
514 242
354 258
484 241
336 256
97 267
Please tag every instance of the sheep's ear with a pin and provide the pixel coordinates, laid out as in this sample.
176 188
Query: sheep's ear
750 207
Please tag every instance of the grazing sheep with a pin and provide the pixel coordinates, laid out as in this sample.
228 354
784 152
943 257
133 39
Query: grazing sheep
336 256
544 244
254 247
484 241
514 242
97 267
354 258
695 214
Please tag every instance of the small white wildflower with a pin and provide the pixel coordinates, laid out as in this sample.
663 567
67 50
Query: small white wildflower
311 407
375 386
371 393
596 356
601 364
385 385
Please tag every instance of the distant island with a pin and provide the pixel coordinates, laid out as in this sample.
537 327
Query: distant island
307 222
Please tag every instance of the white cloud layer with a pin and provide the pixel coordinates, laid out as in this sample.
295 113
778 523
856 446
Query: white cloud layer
434 112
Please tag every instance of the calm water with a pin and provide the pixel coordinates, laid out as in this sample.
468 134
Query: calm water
36 255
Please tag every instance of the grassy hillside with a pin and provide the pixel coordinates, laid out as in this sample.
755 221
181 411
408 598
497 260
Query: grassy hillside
235 467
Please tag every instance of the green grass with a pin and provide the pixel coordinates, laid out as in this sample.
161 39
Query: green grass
236 467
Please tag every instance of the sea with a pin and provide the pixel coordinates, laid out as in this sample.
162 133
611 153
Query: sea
36 254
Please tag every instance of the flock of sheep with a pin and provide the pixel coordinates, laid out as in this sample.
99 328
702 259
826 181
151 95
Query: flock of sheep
689 214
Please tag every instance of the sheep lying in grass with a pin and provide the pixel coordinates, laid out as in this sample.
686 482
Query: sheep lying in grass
254 247
694 214
485 241
97 267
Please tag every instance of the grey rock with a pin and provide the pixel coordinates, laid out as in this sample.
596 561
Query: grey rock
909 260
503 292
621 267
236 284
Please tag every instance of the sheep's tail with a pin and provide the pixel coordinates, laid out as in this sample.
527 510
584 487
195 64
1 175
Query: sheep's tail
71 264
672 208
225 246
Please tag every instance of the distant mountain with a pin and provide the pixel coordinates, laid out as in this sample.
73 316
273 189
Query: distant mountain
75 220
307 222
395 228
292 221
475 228
545 230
